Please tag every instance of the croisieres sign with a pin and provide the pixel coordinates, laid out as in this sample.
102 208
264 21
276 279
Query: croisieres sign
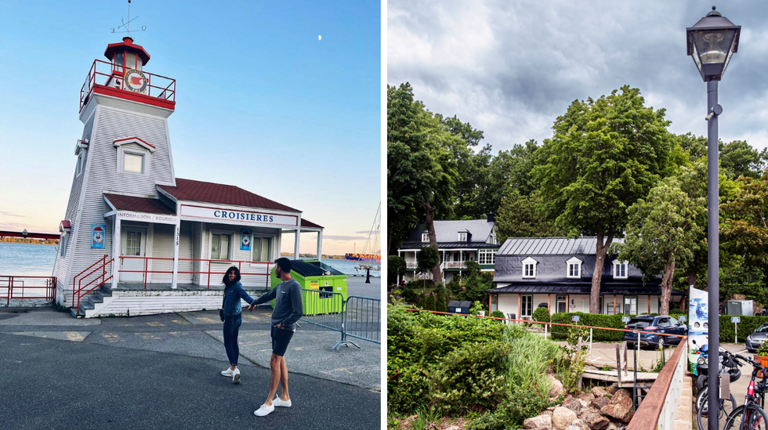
238 216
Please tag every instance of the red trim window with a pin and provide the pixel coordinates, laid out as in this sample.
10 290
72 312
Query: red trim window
118 64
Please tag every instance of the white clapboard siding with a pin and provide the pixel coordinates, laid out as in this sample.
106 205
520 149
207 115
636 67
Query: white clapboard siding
103 176
124 303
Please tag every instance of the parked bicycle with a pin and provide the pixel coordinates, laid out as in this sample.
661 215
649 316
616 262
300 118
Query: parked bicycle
725 407
750 416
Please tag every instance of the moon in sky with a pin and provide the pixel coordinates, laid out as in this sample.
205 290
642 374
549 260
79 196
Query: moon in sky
319 37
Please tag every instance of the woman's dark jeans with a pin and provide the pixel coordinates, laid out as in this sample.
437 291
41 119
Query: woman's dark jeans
231 328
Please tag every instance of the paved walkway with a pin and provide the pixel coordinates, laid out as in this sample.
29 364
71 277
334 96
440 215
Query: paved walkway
162 371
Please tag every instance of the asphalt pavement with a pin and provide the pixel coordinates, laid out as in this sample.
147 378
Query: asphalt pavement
162 371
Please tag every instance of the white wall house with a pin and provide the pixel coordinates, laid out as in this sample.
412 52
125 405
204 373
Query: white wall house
131 224
557 273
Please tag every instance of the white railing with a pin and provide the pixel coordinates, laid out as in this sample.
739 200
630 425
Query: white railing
455 265
411 265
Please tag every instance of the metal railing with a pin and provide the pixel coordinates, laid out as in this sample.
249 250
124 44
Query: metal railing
99 276
659 409
357 317
106 74
27 287
210 270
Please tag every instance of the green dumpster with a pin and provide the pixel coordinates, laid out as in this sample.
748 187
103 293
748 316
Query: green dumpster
316 275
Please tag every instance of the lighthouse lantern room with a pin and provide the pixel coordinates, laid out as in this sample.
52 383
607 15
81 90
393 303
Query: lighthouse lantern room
136 239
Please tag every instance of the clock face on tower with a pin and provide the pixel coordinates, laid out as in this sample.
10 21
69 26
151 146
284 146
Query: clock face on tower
135 80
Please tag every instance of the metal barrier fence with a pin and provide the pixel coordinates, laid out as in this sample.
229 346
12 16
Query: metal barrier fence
357 317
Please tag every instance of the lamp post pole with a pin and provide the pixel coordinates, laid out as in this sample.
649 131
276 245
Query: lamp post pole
713 257
711 42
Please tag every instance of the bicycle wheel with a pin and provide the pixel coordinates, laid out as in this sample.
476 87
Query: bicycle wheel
753 419
727 407
700 398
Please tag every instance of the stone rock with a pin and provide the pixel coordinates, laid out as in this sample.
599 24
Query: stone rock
620 407
587 397
612 389
599 392
578 425
612 426
538 422
547 412
599 402
573 404
557 388
563 417
595 421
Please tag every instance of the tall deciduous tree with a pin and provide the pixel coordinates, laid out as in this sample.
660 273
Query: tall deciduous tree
518 216
662 231
605 155
745 231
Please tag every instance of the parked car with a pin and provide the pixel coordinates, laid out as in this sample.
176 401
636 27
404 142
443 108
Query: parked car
657 324
757 337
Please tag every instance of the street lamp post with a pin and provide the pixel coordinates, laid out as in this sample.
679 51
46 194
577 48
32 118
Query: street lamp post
711 42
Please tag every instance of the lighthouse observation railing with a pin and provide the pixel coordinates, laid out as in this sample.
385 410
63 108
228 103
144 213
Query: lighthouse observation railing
103 73
27 287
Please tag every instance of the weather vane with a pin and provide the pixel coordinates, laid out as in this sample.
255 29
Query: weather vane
127 25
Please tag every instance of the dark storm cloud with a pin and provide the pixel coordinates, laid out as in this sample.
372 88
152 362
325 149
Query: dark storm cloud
510 68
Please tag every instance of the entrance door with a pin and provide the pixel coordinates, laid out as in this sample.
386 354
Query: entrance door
561 305
133 243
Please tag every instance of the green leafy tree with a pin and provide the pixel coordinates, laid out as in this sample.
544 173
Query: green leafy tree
605 155
745 232
518 216
427 258
738 158
694 146
429 303
395 268
661 231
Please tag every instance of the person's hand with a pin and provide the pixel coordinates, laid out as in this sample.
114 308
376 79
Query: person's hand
251 307
280 326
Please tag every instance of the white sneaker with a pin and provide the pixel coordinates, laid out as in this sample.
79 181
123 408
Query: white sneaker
236 376
283 403
264 410
229 372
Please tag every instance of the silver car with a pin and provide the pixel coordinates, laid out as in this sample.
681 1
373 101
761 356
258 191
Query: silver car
759 336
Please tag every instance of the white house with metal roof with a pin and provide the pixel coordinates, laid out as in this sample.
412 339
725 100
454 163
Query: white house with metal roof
556 272
458 241
136 239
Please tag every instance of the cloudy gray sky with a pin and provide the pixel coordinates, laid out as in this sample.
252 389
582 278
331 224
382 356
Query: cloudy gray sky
511 67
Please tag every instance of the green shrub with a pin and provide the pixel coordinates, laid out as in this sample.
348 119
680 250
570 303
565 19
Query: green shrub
471 378
593 320
395 268
440 304
541 315
429 303
476 308
497 314
746 327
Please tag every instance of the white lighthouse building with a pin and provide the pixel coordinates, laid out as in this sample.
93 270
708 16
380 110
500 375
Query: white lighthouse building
135 239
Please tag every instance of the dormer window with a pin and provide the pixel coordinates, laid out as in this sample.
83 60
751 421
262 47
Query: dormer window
620 269
462 236
573 266
529 268
133 155
425 237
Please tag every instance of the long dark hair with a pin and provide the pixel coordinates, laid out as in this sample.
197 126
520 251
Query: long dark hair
226 280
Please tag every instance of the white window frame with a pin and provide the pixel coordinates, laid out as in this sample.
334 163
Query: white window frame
523 305
529 262
463 236
81 162
145 160
63 242
571 263
487 256
629 298
616 265
230 250
270 249
424 237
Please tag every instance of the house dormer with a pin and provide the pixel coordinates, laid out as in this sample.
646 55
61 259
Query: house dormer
464 236
573 268
424 236
529 268
620 269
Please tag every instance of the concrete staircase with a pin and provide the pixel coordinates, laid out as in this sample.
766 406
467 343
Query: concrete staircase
91 301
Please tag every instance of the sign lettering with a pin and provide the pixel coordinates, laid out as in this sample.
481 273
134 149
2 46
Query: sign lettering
227 216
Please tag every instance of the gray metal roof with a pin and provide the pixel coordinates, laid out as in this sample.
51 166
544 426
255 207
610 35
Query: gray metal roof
448 231
548 246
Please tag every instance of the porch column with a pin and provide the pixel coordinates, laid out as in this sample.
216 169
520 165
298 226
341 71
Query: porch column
461 262
614 304
567 303
177 233
519 301
549 302
649 303
116 252
319 245
490 305
296 244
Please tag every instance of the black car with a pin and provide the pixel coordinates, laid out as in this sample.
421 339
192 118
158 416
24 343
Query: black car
657 324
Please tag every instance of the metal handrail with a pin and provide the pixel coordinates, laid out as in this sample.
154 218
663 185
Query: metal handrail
49 287
164 92
80 294
74 279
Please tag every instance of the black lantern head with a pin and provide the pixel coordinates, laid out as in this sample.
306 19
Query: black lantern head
711 42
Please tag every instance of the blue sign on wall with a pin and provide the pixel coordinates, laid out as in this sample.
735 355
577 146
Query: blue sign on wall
245 239
98 235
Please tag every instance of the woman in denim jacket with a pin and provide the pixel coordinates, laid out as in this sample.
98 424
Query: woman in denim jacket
233 292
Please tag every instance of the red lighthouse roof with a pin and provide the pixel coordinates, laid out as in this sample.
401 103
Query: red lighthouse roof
126 45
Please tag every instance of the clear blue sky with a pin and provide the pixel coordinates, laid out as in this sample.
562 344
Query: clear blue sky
261 103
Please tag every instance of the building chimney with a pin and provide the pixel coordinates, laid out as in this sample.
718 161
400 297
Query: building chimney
491 217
